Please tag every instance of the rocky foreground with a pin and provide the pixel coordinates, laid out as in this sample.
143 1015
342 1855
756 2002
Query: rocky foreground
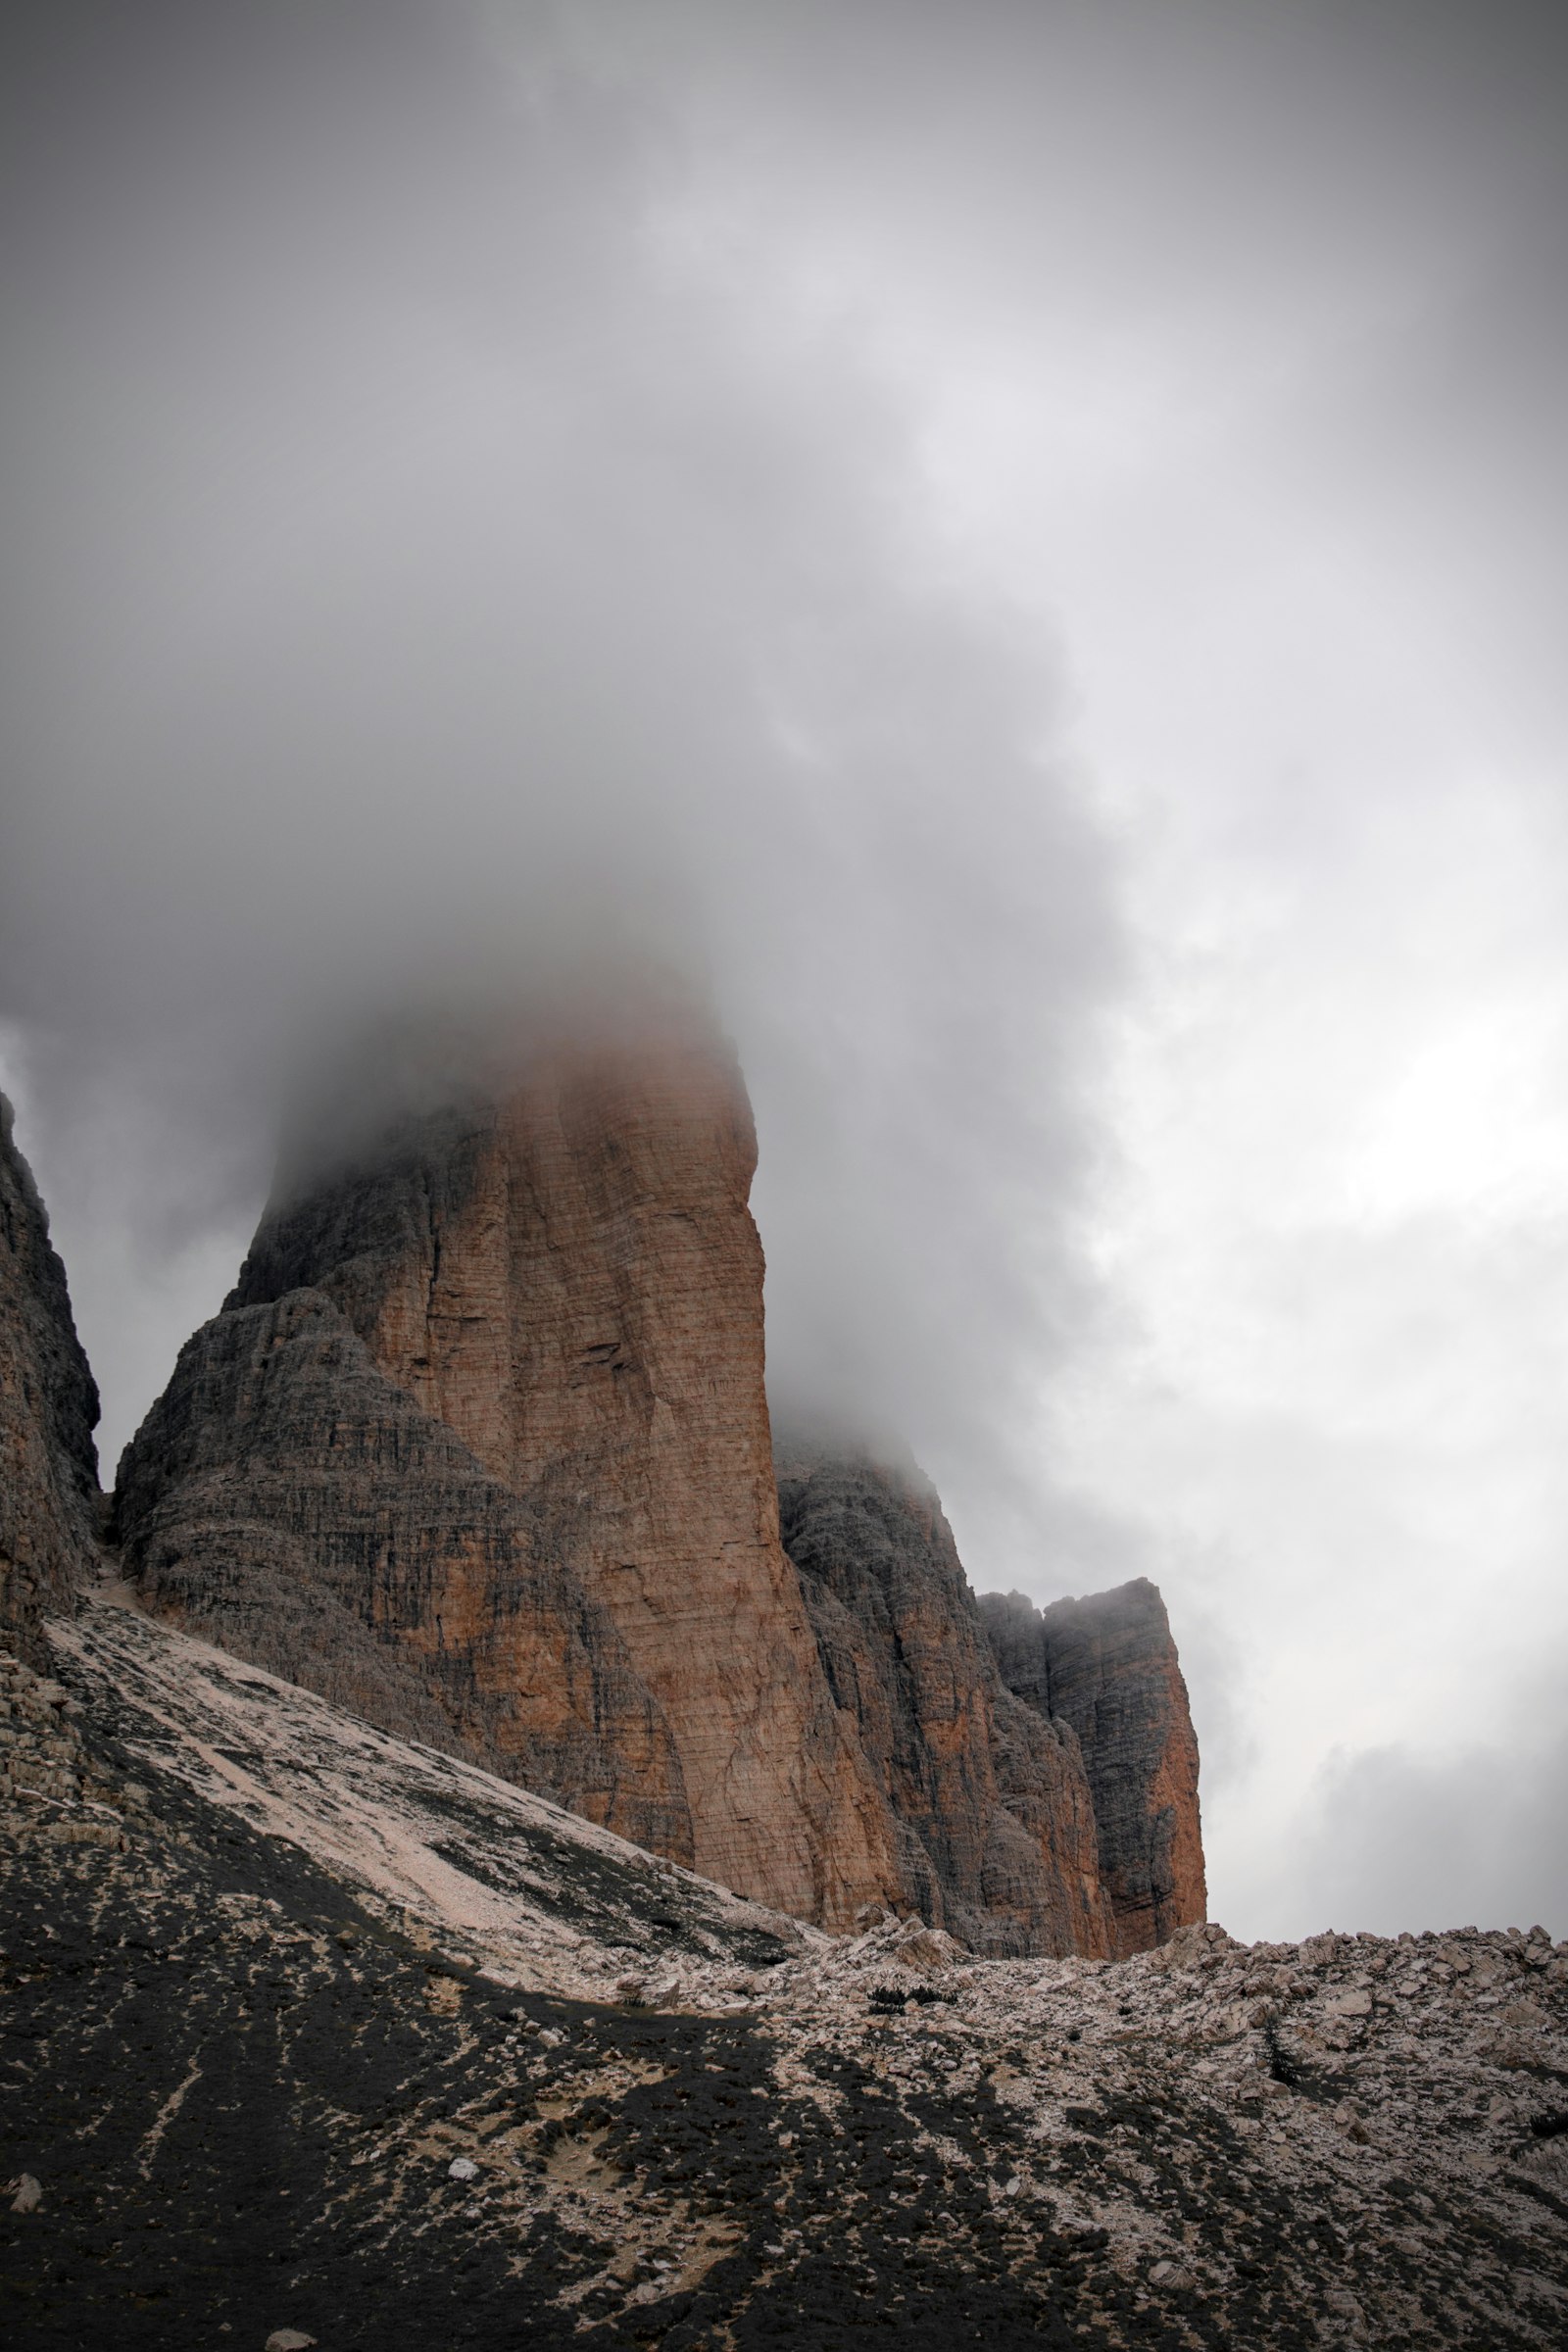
308 2029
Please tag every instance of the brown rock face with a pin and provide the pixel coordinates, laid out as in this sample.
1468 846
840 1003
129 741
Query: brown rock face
995 1822
1107 1665
564 1279
284 1498
48 1412
479 1448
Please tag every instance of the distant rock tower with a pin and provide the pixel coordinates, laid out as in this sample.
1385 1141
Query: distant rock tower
1107 1665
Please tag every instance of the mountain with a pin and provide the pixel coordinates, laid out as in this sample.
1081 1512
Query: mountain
480 1446
48 1412
491 1384
995 1811
318 2035
1107 1666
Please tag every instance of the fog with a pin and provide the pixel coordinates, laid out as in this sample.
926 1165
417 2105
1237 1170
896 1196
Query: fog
1018 547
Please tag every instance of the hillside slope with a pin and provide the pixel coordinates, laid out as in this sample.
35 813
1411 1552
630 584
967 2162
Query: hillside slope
308 2029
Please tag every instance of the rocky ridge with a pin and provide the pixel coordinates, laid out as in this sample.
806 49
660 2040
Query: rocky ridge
1107 1665
306 2028
48 1412
993 1808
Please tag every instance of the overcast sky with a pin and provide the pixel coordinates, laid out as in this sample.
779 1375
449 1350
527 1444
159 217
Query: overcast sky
1027 543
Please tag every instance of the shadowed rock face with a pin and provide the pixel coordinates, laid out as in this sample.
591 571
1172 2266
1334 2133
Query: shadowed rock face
557 1285
48 1412
1107 1665
285 1498
996 1827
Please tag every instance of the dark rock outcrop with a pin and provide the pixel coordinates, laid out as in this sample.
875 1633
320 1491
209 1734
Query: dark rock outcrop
1106 1664
48 1412
996 1823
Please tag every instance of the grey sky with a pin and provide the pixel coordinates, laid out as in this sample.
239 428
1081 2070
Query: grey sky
1025 542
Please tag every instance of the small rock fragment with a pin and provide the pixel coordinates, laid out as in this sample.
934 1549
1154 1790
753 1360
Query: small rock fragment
289 2339
463 2168
29 2194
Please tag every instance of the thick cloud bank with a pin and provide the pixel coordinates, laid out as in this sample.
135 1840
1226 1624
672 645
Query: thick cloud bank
435 553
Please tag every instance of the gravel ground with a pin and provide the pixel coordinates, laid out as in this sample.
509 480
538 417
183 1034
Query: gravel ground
305 2029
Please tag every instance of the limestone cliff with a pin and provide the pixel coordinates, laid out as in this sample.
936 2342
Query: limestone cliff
48 1412
479 1448
286 1500
995 1821
557 1281
1106 1664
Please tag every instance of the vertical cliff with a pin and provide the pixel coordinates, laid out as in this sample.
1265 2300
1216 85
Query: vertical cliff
558 1270
995 1820
479 1448
286 1499
48 1412
1107 1665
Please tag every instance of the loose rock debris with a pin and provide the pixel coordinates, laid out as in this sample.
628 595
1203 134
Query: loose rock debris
228 2085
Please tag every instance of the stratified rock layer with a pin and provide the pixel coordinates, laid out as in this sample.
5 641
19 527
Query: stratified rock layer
1106 1664
995 1821
48 1412
562 1276
286 1497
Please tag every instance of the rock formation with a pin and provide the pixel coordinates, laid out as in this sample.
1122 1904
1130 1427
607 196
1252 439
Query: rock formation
479 1447
994 1817
284 1498
1107 1665
550 1480
48 1412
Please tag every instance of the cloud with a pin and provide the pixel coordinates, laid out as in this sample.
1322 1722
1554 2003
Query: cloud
1399 1839
449 551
